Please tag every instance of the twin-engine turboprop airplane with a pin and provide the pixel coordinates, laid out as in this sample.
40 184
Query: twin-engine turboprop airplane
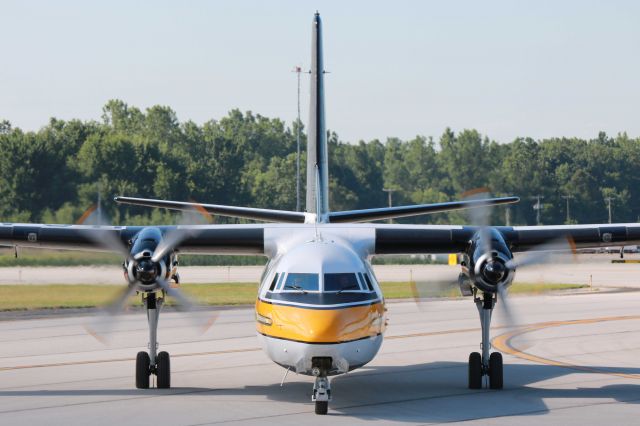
319 309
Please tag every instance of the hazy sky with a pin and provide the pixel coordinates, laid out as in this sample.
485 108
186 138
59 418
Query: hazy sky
398 68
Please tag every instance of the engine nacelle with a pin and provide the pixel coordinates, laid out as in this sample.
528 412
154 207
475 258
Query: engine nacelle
140 267
487 261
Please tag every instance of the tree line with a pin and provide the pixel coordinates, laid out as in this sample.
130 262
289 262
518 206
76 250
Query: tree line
245 159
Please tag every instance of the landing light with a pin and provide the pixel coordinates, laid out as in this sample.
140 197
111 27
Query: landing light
263 320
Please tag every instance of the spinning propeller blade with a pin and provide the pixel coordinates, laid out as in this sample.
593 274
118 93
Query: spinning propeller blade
107 238
99 233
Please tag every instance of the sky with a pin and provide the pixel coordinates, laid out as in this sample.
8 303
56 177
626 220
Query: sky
396 69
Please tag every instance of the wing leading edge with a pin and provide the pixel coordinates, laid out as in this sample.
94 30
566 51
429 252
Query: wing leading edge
349 216
209 239
416 239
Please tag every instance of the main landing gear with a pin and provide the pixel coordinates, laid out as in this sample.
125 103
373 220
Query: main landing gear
321 388
486 364
152 362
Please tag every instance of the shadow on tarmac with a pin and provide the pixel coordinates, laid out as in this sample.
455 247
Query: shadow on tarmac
415 393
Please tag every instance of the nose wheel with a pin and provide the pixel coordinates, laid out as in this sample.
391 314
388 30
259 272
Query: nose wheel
321 394
152 362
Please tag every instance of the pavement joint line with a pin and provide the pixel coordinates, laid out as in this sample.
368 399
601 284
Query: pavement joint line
84 333
99 361
188 371
405 336
142 396
503 343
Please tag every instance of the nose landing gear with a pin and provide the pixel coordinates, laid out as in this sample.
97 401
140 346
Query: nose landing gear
321 394
152 362
321 388
487 364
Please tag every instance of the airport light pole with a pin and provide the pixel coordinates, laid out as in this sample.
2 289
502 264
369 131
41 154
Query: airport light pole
537 207
608 200
567 198
298 70
99 208
390 192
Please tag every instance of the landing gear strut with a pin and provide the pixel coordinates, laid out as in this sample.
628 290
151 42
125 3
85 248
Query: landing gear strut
153 362
487 364
321 388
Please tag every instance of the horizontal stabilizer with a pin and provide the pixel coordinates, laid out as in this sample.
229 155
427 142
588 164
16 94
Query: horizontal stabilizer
415 210
232 211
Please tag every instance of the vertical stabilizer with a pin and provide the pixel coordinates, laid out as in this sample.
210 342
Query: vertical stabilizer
317 162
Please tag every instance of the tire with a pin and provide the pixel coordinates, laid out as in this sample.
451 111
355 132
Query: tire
475 371
163 370
322 407
142 370
495 371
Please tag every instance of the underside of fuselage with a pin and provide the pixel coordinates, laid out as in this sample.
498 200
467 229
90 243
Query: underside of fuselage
301 357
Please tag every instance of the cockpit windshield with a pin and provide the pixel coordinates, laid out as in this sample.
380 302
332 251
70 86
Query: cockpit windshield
302 282
341 282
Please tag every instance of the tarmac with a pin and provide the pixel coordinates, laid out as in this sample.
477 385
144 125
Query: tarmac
575 360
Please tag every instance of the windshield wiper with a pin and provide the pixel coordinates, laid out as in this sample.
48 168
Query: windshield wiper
353 287
296 287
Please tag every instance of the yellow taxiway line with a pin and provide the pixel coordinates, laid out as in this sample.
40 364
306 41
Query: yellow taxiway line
503 343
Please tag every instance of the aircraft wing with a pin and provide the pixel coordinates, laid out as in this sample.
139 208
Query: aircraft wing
414 239
268 215
349 216
368 215
206 239
250 240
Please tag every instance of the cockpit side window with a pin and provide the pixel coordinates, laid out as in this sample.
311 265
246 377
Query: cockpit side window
302 282
363 284
368 281
280 281
273 283
341 282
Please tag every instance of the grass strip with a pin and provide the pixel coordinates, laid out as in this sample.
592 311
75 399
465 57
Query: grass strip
61 296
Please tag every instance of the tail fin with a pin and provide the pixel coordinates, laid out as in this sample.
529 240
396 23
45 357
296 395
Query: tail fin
317 161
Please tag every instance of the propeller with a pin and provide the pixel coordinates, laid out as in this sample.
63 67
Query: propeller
545 253
98 230
501 270
492 266
442 280
497 269
146 265
445 278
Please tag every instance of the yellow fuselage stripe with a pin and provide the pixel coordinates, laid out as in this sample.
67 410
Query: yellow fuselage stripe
310 325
